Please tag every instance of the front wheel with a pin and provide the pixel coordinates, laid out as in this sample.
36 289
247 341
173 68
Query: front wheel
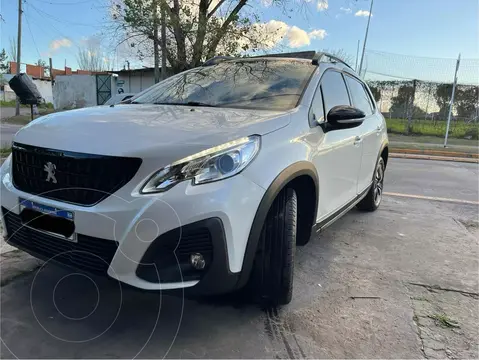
272 276
372 200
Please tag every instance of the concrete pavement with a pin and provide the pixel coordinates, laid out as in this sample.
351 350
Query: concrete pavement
373 285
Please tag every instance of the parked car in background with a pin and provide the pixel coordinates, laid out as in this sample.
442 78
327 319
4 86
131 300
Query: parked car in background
118 98
206 182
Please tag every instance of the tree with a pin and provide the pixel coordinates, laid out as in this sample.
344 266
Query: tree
43 64
4 66
341 54
91 58
376 91
466 101
196 29
443 98
400 103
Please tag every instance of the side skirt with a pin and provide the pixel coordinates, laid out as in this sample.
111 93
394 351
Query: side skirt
320 226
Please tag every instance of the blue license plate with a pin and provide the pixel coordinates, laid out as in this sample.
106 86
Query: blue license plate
45 209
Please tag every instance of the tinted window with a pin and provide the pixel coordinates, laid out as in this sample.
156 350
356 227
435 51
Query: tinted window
258 84
359 95
334 90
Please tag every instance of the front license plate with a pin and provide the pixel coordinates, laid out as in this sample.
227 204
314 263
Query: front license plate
45 209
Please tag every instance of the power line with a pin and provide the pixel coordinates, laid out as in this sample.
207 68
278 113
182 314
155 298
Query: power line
57 31
64 3
31 34
60 20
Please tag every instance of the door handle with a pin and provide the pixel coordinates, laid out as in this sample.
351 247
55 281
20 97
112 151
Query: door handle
357 140
379 129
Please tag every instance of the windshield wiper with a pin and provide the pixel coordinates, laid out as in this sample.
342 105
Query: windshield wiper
189 103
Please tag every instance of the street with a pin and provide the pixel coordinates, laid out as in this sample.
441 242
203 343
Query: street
7 131
373 285
7 112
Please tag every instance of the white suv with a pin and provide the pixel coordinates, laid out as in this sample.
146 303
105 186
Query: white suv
206 181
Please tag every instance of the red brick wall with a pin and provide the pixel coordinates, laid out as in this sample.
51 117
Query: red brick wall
13 67
35 71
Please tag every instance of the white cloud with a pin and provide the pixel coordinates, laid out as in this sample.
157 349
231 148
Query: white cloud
345 10
57 44
297 37
322 5
266 3
318 34
362 13
275 32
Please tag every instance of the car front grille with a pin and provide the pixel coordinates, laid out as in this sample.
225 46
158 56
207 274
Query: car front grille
78 178
88 253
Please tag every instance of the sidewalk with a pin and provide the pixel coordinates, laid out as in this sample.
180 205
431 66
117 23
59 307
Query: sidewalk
393 154
433 143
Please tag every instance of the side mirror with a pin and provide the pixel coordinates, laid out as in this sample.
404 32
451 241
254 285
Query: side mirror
345 117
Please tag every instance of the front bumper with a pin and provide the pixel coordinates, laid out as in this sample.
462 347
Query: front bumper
135 228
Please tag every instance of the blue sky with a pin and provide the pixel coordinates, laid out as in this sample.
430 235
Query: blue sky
429 28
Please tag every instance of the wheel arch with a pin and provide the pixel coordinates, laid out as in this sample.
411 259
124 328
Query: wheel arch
385 154
296 175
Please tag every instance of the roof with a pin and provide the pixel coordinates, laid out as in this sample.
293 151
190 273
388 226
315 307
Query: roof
134 70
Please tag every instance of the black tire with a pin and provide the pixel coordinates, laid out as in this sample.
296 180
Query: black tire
272 277
374 196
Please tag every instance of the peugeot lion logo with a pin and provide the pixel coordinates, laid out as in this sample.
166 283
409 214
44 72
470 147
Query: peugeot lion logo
50 169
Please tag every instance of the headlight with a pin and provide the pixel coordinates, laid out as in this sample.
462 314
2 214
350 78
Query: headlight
214 164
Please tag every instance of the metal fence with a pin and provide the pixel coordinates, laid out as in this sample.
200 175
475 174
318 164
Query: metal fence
414 93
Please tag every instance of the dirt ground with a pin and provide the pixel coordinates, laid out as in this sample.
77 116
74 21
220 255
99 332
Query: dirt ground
398 283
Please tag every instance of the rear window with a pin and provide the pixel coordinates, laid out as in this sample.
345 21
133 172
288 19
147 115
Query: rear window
262 84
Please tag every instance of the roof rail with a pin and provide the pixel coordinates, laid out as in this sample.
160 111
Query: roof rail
294 55
317 59
216 60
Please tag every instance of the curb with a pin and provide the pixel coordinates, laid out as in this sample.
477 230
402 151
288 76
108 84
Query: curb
437 158
443 153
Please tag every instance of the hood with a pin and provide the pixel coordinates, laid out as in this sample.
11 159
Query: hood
145 130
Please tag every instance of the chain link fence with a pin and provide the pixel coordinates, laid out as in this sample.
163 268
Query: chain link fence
414 93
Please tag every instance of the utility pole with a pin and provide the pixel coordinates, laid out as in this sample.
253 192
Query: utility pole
19 48
366 37
51 69
163 42
357 57
155 40
452 100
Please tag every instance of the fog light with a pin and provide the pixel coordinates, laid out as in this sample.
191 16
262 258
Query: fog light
197 261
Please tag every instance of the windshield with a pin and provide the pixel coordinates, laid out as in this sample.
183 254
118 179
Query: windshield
262 84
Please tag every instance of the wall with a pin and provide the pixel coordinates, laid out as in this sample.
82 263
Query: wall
35 71
45 88
135 81
7 94
74 91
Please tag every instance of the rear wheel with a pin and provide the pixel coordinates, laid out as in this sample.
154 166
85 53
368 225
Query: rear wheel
272 275
373 199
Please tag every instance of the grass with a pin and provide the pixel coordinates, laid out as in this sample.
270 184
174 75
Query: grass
444 321
458 129
5 151
25 119
11 103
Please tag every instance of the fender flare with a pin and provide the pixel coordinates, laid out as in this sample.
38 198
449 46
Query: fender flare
290 173
384 145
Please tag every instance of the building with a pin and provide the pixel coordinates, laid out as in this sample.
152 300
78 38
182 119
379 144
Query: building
135 80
